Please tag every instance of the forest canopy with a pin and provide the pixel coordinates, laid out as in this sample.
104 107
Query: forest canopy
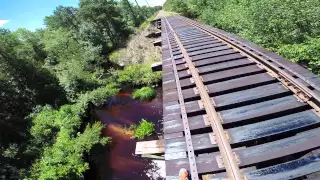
50 77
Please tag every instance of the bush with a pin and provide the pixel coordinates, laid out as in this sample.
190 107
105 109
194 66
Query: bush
114 57
137 75
57 136
145 93
96 97
142 130
307 53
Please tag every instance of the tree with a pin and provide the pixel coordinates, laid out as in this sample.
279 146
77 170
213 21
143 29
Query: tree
63 17
23 85
128 12
105 16
39 70
55 131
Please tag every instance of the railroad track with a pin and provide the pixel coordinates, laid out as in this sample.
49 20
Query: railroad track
233 110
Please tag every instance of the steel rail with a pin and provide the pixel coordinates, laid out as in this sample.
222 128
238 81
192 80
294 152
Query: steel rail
227 155
277 72
187 133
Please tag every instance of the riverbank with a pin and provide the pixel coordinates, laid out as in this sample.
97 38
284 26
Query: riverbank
117 161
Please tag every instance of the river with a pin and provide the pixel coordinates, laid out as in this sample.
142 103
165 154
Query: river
117 161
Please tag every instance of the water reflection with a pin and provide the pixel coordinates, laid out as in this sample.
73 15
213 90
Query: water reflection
118 162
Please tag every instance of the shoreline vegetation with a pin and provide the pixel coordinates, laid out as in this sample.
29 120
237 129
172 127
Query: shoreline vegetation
141 130
52 77
144 93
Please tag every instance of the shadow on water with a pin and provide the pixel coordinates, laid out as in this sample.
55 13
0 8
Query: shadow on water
117 161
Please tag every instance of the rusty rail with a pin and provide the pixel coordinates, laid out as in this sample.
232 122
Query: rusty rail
191 155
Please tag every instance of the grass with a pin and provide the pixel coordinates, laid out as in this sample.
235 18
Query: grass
138 50
143 129
163 13
115 56
145 24
136 75
145 93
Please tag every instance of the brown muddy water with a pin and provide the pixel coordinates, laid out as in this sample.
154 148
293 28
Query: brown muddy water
118 161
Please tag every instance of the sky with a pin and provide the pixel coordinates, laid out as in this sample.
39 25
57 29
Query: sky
30 14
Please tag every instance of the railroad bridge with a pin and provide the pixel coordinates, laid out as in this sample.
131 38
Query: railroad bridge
233 110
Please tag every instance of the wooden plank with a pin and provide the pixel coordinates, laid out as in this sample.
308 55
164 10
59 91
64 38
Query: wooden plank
171 107
299 143
187 36
240 83
193 35
213 54
170 95
183 36
177 53
195 122
205 46
181 67
231 73
180 61
167 85
170 117
150 147
172 156
180 56
186 43
173 126
219 59
199 141
224 75
223 175
224 66
261 109
289 170
209 50
250 95
173 135
167 77
233 85
273 126
205 163
202 43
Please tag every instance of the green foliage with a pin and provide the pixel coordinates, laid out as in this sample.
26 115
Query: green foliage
63 17
179 6
114 57
44 69
307 53
137 75
97 96
61 144
23 83
143 129
62 156
291 28
146 22
145 93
